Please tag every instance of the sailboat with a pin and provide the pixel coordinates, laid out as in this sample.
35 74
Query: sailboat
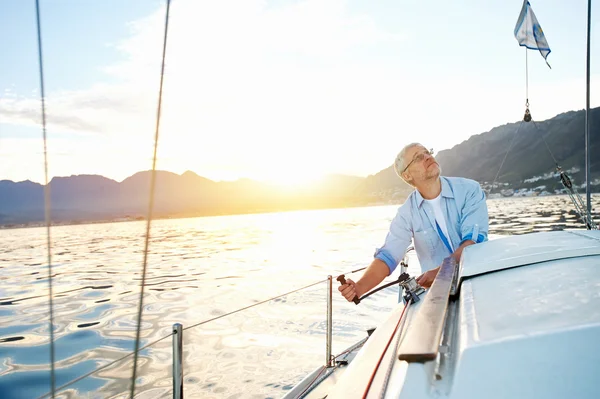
517 317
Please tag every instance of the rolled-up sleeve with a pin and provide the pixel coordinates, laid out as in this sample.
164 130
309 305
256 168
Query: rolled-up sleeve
397 241
474 223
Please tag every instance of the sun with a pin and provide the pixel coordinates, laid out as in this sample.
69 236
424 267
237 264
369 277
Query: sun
293 179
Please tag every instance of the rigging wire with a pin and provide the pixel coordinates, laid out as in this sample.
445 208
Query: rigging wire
526 78
107 365
251 306
546 143
580 208
506 154
584 214
46 200
187 328
150 205
192 326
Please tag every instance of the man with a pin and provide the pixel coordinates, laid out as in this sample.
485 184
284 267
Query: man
444 215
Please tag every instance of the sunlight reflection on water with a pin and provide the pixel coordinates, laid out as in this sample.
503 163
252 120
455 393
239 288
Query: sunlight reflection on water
198 269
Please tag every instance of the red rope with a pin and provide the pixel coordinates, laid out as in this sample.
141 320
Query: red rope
384 351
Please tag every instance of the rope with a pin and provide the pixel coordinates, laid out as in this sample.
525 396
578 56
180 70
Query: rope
150 205
354 271
103 367
384 350
397 281
189 327
99 287
265 301
46 200
251 306
170 334
388 373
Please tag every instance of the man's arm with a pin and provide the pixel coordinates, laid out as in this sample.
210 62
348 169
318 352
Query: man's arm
474 220
375 273
386 259
458 253
426 279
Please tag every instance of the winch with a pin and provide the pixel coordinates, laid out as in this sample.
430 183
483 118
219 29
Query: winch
412 289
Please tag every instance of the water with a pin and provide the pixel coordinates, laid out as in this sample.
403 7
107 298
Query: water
198 269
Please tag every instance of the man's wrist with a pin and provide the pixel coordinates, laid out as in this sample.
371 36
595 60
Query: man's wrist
458 253
358 288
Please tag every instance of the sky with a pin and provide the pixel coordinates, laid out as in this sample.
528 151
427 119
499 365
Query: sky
280 91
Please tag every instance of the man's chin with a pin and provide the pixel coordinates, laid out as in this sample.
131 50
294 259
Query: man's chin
434 171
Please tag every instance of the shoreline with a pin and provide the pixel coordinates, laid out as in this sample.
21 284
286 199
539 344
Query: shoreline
31 225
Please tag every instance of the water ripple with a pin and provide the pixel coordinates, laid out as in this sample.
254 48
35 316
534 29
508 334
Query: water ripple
199 269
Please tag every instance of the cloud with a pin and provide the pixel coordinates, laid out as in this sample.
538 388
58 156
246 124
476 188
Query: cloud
256 90
242 80
28 113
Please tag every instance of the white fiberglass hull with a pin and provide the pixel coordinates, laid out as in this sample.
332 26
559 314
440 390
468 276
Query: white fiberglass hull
525 323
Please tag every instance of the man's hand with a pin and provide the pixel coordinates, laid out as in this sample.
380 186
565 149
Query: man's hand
426 279
348 290
374 275
458 253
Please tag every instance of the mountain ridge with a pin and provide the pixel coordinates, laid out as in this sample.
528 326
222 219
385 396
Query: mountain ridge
516 155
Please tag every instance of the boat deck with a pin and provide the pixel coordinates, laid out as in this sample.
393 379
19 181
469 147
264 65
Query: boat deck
525 323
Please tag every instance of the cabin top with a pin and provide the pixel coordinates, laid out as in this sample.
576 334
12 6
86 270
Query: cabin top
526 249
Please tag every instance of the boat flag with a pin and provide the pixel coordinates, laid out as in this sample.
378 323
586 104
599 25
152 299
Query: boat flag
529 33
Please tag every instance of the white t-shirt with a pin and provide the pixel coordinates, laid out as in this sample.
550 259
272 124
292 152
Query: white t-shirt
436 204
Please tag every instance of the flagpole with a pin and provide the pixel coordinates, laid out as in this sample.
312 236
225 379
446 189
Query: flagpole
587 115
526 78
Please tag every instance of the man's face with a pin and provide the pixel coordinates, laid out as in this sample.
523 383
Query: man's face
422 166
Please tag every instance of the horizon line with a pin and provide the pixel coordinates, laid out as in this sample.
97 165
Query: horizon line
266 181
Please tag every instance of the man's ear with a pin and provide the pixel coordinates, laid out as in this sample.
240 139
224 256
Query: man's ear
407 177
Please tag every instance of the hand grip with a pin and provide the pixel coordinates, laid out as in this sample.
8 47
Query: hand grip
342 281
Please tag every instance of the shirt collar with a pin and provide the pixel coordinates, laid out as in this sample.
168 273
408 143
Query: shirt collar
446 189
446 192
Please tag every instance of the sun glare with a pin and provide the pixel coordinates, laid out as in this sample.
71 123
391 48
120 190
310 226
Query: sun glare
291 179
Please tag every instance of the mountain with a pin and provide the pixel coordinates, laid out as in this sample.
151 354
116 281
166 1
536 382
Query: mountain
529 159
480 157
22 201
84 198
529 163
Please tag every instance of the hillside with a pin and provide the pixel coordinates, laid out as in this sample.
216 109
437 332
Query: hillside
528 164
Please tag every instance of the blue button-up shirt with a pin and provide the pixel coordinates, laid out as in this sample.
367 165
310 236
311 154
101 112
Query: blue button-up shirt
465 210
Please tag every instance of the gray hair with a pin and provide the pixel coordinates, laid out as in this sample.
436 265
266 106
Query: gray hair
400 163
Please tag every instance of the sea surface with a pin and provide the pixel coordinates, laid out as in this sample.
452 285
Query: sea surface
199 270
